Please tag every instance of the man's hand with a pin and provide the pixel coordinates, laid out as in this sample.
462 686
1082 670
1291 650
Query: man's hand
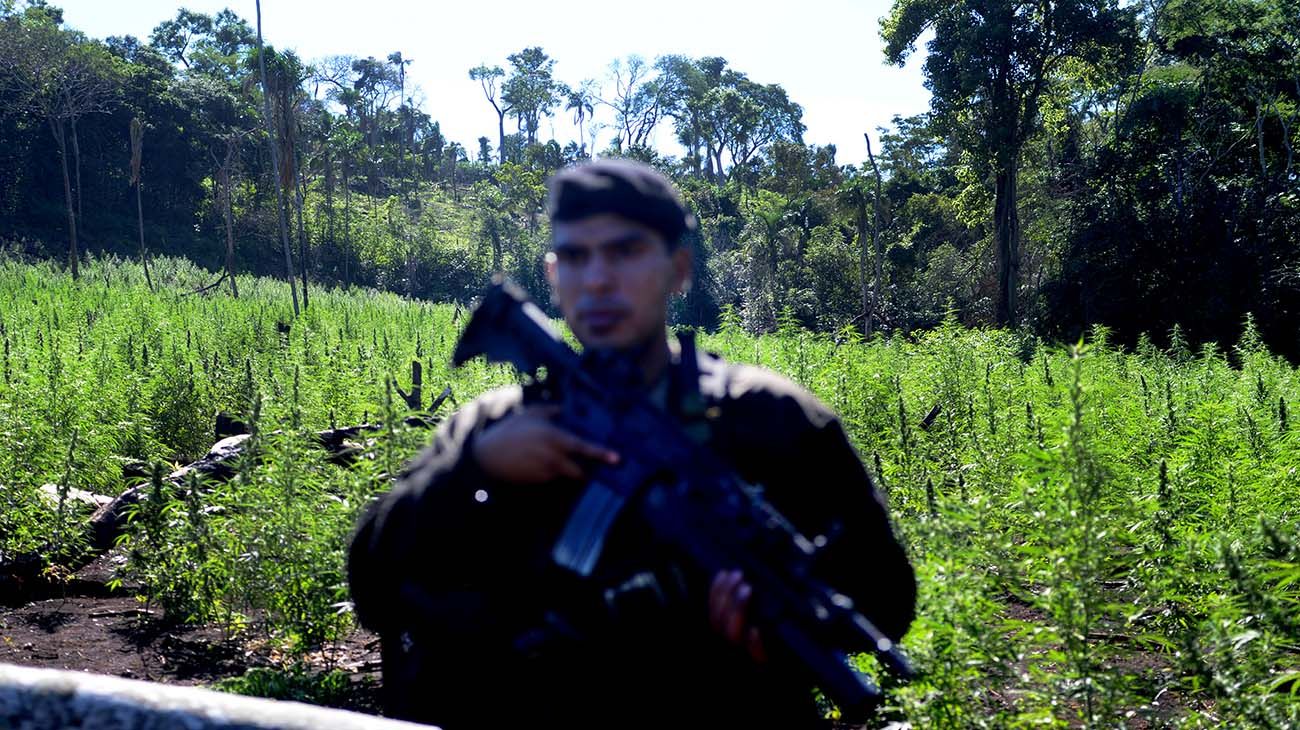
527 448
729 613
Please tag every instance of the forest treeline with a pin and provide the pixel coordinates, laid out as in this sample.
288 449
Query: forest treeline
1083 162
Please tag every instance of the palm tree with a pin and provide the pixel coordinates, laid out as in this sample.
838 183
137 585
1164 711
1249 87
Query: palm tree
581 102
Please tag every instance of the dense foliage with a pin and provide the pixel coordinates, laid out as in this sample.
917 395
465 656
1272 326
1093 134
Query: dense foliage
1085 162
1103 536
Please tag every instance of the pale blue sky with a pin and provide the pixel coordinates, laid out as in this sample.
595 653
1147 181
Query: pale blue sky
826 53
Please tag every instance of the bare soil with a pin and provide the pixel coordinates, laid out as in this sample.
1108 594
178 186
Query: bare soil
1150 674
83 625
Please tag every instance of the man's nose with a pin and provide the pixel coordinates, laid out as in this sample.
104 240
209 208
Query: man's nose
598 274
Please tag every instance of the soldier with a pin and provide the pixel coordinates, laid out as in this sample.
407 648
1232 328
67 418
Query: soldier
453 567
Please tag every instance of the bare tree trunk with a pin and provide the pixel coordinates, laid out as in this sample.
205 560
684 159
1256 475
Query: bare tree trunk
1259 134
225 198
275 166
695 148
56 128
501 140
496 246
372 167
876 292
137 149
411 268
1006 228
300 188
347 228
401 160
374 229
230 231
329 197
863 279
144 253
76 165
1286 134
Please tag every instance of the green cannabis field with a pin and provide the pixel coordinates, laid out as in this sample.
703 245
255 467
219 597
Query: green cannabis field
1103 537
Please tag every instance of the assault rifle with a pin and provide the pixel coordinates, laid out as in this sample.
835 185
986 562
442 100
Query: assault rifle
688 497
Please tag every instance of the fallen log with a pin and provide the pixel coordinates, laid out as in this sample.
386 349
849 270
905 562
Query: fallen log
219 465
20 574
108 521
51 493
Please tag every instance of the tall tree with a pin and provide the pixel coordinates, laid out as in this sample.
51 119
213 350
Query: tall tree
1198 169
204 44
137 151
176 38
989 65
285 79
455 154
580 101
225 171
747 116
219 52
273 139
719 113
876 245
297 169
684 87
375 84
403 106
335 74
488 78
56 76
531 91
637 100
349 147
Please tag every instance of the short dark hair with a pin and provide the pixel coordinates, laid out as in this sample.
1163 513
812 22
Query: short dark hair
627 188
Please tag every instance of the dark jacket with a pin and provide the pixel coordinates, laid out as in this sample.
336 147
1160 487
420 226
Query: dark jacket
481 629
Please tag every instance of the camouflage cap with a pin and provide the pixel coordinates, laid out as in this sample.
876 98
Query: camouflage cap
628 188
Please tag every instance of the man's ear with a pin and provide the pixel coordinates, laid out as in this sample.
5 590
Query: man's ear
683 262
549 258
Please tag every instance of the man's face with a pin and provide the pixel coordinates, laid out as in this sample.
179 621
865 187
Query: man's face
611 278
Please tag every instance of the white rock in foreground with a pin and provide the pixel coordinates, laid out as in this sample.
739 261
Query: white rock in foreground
49 699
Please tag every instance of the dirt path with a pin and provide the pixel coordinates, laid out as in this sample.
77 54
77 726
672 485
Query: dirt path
90 628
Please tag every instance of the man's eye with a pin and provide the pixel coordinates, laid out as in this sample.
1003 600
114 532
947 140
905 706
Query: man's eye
626 250
571 256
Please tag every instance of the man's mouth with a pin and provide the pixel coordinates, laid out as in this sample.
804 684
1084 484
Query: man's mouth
601 321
